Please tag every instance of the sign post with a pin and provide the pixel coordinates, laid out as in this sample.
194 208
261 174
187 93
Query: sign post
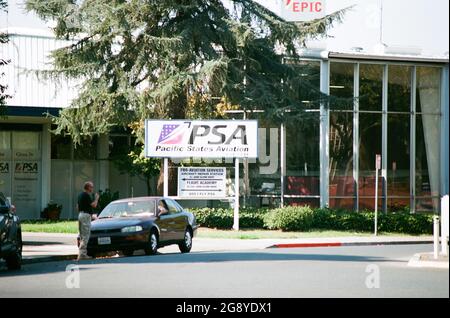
202 139
377 167
236 195
166 178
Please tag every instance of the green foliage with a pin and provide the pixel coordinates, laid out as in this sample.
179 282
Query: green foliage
143 59
290 219
223 218
105 198
3 62
136 164
308 219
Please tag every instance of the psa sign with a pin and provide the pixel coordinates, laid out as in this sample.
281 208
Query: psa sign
302 10
201 138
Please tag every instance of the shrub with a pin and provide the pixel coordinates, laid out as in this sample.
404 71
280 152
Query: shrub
307 219
223 218
290 219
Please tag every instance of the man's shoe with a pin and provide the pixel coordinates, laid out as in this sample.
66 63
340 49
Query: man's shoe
84 257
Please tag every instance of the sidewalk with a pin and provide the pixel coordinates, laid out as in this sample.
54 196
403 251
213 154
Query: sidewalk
428 260
43 247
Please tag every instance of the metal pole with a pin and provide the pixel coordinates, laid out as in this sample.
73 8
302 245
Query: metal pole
166 178
436 236
283 162
236 195
376 201
444 225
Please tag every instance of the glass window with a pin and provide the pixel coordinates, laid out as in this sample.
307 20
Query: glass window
118 145
61 147
265 175
370 87
128 209
311 202
309 89
24 140
87 150
302 157
341 159
399 89
5 140
398 168
369 146
173 208
341 85
427 160
428 90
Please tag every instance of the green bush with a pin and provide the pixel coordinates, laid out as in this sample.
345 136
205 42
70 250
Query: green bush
290 219
223 218
308 219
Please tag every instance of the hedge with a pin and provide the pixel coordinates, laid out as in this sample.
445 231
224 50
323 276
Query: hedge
308 219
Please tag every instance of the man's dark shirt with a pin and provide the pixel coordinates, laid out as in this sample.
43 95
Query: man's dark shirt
84 203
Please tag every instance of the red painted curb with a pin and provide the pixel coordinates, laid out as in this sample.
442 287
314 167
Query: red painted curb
307 245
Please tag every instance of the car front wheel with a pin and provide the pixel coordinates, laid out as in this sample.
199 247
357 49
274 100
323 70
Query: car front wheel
186 245
152 246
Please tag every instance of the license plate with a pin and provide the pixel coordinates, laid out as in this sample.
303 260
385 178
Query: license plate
104 240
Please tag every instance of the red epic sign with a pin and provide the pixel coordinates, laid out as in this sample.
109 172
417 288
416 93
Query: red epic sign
302 10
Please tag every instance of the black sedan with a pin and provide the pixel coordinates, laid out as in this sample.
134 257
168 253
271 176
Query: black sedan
10 235
142 223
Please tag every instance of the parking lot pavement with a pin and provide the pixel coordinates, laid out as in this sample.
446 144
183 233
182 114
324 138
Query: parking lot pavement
56 246
347 271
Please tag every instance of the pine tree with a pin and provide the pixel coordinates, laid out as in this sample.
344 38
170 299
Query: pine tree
3 62
142 59
175 59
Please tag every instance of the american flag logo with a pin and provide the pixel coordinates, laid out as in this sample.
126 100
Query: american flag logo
171 134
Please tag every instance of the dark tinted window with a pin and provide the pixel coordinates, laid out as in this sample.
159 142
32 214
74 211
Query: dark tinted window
173 207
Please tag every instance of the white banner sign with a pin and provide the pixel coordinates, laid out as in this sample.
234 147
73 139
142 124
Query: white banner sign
302 10
207 182
201 138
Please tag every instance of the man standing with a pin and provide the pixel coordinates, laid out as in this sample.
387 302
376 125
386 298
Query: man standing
85 206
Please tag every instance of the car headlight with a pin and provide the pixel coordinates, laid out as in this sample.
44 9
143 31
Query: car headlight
129 229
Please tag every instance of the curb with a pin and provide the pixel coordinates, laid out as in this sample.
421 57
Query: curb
53 258
416 262
337 244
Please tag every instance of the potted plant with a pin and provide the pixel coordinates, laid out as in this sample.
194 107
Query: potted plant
52 211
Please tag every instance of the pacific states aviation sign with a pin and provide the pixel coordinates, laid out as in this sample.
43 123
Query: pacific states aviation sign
201 138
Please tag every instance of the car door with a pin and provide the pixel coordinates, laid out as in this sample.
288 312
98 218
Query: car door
166 224
178 218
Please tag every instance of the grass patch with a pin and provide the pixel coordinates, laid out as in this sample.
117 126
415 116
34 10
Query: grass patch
62 226
67 226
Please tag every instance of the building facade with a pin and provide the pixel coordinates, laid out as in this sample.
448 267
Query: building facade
396 106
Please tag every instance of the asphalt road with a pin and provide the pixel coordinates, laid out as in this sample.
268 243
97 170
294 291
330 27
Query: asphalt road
303 272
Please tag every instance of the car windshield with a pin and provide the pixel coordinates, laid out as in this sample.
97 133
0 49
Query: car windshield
126 209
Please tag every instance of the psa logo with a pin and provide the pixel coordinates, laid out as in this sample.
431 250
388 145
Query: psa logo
4 167
26 167
175 134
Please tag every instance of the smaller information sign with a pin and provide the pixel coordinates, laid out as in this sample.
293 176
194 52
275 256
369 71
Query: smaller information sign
199 182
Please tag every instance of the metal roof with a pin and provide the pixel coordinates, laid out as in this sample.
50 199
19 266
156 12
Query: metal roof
362 55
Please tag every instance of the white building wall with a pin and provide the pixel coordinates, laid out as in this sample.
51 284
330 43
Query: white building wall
28 52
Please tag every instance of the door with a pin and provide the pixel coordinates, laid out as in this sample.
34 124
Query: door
166 224
179 219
